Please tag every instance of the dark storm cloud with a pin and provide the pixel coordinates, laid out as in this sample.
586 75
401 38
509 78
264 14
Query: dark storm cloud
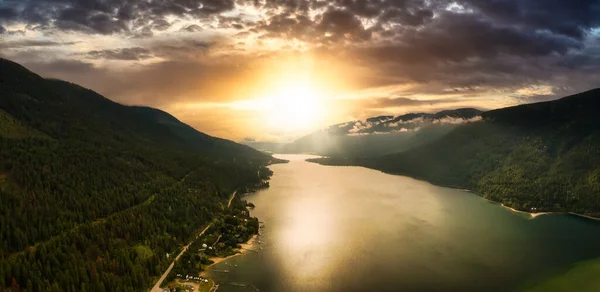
107 16
7 14
464 46
237 22
124 54
457 37
364 8
489 48
404 12
331 26
82 19
2 29
399 16
182 49
289 6
571 18
32 43
192 28
287 26
425 31
336 24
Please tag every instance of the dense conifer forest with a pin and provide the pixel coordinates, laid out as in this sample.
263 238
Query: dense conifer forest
94 194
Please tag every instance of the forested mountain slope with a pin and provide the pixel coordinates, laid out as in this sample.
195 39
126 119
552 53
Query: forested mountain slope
205 144
535 157
94 194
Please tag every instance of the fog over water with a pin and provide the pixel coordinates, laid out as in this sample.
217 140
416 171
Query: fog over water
330 228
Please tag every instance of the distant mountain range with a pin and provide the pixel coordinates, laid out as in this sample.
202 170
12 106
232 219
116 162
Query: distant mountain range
535 157
377 135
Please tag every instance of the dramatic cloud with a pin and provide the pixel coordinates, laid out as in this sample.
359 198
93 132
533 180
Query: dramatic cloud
108 17
127 54
569 18
337 24
32 43
386 55
192 28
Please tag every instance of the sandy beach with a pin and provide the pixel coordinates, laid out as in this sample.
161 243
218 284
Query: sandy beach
585 216
531 214
239 251
534 215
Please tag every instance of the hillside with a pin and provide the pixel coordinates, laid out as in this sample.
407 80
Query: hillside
377 135
535 157
84 180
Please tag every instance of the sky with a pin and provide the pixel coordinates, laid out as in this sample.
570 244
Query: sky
273 70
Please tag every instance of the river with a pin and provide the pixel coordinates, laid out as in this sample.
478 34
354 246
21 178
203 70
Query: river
331 228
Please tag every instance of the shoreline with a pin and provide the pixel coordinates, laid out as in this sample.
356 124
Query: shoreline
238 251
244 247
584 216
533 215
537 214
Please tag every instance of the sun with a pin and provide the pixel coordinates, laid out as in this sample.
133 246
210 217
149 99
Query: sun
295 106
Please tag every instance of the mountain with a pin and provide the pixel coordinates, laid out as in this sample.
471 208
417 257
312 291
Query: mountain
87 183
377 135
535 157
201 142
42 103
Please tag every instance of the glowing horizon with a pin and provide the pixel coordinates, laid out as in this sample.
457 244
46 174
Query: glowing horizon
273 70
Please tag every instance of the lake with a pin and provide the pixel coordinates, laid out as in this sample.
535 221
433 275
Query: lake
331 228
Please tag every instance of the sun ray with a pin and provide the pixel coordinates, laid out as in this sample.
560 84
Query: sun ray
295 105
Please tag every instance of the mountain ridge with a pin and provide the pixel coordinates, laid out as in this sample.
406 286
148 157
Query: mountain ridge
535 157
136 121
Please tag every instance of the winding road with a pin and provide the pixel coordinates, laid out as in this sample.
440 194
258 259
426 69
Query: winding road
156 287
231 199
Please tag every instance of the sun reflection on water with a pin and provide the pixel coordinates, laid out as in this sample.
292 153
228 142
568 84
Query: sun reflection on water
305 249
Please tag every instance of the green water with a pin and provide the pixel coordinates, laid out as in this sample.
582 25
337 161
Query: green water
329 228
